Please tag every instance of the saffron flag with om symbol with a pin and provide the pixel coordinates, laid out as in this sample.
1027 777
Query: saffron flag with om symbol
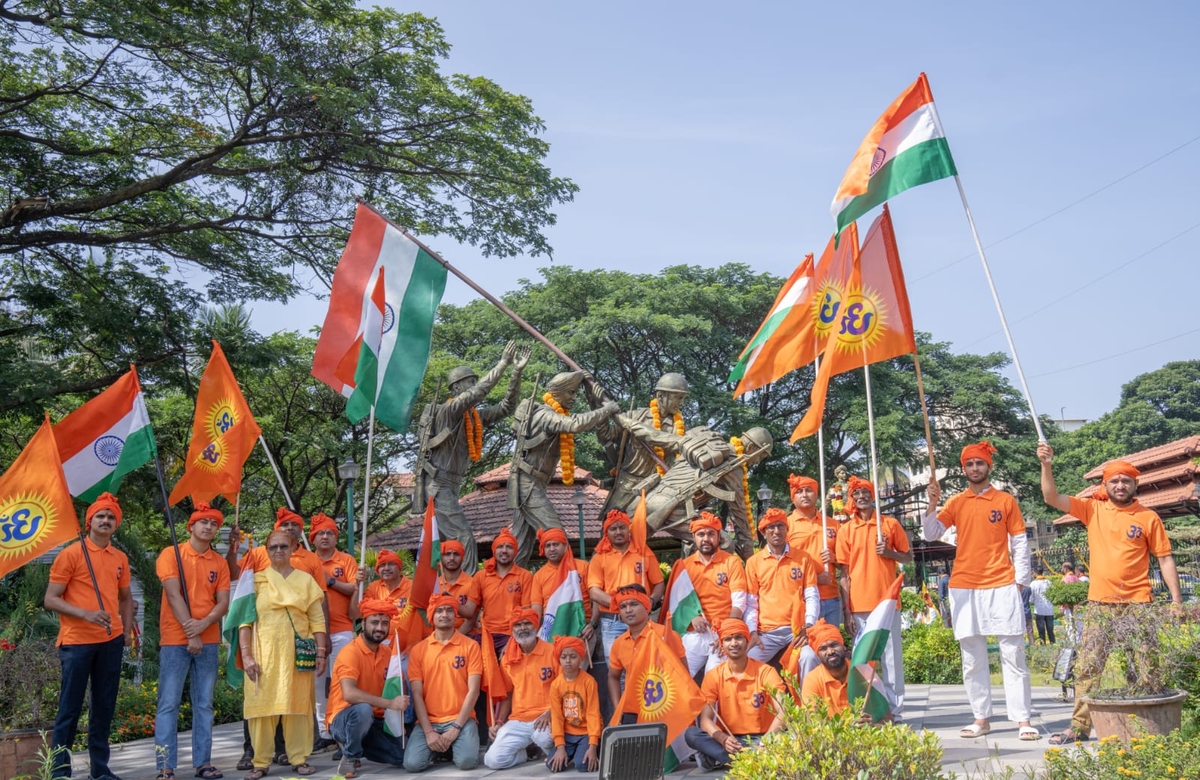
36 513
665 693
862 312
223 434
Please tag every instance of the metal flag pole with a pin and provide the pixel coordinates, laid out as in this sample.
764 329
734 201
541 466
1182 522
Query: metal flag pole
87 558
362 556
925 414
162 484
821 468
874 460
1012 349
287 497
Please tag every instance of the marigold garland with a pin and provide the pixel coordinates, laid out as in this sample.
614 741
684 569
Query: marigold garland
566 443
740 449
657 417
474 428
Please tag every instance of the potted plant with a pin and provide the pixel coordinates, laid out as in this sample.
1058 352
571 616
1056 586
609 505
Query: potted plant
1150 652
29 684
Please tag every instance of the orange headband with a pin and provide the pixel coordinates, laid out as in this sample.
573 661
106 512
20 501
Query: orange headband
387 556
706 520
570 643
321 522
204 512
524 614
771 517
821 632
1112 469
453 545
795 483
285 515
613 516
442 600
105 501
550 535
370 607
621 596
856 483
733 627
504 537
982 450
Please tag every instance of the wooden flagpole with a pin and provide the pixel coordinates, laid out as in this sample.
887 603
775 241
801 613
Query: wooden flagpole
925 414
287 497
821 468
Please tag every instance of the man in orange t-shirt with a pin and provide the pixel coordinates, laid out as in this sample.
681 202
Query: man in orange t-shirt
190 634
1122 535
528 666
356 702
812 535
445 671
870 549
776 578
504 587
635 611
341 582
827 682
741 691
990 571
719 579
461 585
91 634
554 547
392 585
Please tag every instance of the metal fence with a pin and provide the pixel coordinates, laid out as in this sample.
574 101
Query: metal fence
1187 563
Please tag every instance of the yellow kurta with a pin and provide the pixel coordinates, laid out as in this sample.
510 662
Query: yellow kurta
281 690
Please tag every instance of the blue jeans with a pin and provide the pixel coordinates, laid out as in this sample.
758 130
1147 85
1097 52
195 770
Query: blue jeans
831 610
100 665
611 627
465 750
361 734
697 740
174 662
576 745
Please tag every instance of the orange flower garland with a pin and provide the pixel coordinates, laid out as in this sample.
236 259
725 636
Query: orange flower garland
740 449
657 417
566 443
474 428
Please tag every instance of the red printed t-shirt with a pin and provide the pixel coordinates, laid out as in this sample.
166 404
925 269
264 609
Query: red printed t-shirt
1120 541
502 596
716 582
804 536
367 669
776 581
529 679
546 579
112 574
984 523
614 569
743 700
871 575
206 574
443 671
343 568
575 708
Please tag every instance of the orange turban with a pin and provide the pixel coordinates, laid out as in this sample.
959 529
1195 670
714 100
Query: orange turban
105 501
387 556
771 517
1112 469
453 545
621 596
204 512
613 516
370 607
706 520
570 643
550 535
733 627
442 600
321 522
285 515
795 483
982 450
524 614
821 632
855 483
504 537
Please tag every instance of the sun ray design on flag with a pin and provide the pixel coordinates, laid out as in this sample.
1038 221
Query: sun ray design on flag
25 519
868 320
657 694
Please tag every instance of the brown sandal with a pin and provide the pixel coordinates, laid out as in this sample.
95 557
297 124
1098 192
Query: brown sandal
305 769
257 773
1067 737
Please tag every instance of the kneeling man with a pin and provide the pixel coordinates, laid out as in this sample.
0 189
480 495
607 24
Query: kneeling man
529 667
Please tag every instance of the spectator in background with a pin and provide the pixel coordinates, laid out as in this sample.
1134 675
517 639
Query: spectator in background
1043 610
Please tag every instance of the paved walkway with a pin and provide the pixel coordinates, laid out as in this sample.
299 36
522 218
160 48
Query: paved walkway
938 708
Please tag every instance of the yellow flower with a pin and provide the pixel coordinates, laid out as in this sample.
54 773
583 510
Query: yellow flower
1121 752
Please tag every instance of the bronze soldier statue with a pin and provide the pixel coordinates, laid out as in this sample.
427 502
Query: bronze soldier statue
451 434
542 430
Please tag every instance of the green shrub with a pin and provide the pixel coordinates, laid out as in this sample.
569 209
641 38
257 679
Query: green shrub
931 655
1067 594
1146 757
911 602
818 746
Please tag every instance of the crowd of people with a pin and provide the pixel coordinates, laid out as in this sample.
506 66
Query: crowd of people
315 682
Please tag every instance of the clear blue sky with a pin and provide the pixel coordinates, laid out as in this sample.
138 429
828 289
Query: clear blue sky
703 133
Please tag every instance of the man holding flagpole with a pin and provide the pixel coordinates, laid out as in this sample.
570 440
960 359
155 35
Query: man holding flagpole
341 594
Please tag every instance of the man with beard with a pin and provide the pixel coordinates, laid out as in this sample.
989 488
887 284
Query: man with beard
445 671
554 547
356 701
742 691
634 605
461 585
341 580
869 549
528 667
827 682
720 583
807 537
776 577
990 572
392 585
504 587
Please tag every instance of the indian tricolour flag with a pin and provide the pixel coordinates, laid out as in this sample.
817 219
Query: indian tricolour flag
105 439
242 611
564 614
682 601
393 686
905 148
365 356
413 285
792 305
866 658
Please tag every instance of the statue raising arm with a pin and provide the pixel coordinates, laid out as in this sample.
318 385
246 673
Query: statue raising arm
495 412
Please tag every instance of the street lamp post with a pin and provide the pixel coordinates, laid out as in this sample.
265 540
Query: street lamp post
349 471
578 499
763 494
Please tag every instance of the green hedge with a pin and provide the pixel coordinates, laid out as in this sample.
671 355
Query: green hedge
931 655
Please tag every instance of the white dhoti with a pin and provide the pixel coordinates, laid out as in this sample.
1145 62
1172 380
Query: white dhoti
700 652
773 642
979 613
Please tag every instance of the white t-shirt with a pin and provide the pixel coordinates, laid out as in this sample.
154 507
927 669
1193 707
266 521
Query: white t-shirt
1041 604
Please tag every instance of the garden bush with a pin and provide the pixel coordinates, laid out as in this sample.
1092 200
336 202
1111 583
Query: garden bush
1148 757
931 655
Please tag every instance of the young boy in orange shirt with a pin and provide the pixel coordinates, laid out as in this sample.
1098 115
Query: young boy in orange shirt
574 710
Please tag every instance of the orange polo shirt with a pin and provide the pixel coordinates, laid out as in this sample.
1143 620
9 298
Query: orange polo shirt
820 685
743 700
443 669
624 647
984 523
613 569
302 560
776 582
397 595
502 596
575 708
715 583
112 574
529 680
343 568
367 669
206 574
465 589
546 579
1120 541
870 575
804 536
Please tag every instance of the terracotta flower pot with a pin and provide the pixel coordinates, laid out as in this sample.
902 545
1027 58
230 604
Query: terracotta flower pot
1127 718
18 747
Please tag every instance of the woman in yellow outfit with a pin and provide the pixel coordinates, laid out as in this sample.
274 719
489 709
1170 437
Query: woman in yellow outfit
288 603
